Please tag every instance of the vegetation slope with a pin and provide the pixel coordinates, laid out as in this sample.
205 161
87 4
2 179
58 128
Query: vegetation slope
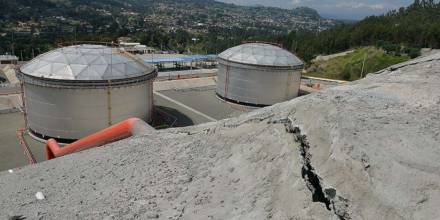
354 65
416 26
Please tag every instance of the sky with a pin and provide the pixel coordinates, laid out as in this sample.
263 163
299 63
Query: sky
339 9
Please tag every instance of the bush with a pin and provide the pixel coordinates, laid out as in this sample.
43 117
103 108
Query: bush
346 73
391 48
413 52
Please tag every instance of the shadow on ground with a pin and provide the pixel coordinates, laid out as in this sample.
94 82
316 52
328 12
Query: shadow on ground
169 117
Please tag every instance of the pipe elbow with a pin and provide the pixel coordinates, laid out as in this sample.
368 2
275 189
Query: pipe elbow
119 131
52 149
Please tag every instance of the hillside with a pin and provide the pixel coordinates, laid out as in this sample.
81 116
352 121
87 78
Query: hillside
349 66
167 13
413 27
364 150
169 24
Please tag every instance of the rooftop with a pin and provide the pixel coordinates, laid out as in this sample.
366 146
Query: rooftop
171 58
86 62
8 57
261 54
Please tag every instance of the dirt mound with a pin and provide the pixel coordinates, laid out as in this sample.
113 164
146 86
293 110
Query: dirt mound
365 150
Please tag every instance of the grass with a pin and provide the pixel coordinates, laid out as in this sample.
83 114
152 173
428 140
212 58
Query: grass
349 67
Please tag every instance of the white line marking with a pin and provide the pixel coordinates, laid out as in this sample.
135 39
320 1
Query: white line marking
185 106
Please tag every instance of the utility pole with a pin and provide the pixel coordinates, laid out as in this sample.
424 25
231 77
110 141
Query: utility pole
12 45
319 27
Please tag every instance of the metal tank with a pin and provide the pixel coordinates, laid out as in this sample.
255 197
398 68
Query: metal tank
74 91
258 74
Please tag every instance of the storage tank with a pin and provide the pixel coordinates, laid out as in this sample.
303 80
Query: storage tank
75 91
258 74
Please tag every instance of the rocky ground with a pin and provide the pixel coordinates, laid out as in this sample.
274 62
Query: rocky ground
365 150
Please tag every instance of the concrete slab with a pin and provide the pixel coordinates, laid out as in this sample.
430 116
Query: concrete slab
9 72
183 116
10 102
365 150
203 99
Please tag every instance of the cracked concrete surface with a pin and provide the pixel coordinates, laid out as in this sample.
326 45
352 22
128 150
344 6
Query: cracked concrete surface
366 150
328 196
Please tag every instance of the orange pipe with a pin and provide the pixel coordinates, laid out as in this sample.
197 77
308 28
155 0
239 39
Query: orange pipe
122 130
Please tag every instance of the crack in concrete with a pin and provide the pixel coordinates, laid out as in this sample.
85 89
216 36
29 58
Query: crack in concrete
257 119
328 196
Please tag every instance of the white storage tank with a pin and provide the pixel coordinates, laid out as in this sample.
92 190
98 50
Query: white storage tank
258 74
74 91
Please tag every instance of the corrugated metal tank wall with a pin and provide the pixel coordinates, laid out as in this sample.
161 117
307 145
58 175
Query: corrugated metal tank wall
256 85
258 74
72 92
76 113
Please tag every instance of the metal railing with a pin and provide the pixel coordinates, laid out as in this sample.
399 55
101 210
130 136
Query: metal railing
25 147
170 119
72 43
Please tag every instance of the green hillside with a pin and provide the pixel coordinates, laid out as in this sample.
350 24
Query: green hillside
416 26
30 27
349 67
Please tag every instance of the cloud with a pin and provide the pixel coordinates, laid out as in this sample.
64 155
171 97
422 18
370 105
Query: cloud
362 5
354 9
355 5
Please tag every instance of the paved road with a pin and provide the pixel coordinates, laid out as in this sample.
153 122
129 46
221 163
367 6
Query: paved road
184 84
181 105
11 154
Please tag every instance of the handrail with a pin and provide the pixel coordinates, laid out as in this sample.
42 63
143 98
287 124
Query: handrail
119 131
25 147
262 42
73 43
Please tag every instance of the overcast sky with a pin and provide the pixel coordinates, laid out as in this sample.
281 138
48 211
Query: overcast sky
343 9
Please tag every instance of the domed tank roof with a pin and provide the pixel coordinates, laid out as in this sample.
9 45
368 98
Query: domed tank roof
86 62
261 54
